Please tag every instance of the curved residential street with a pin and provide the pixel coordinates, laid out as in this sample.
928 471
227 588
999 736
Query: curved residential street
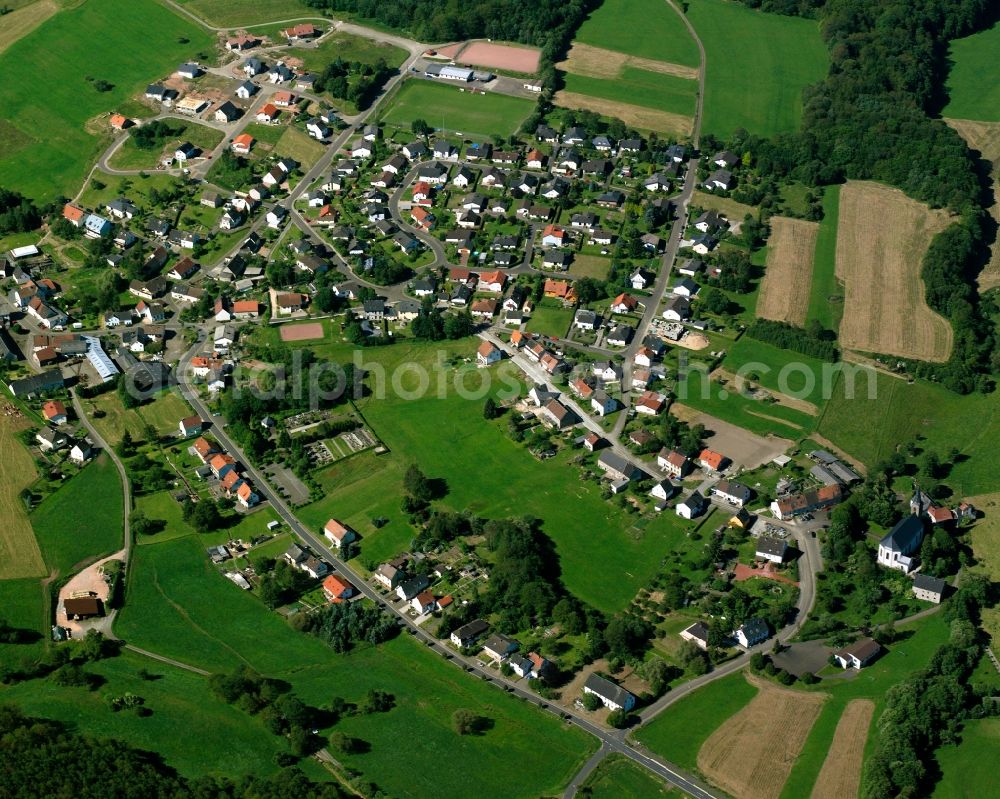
610 740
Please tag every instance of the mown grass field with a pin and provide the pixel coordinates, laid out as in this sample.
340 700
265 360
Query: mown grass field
20 555
82 521
229 742
22 18
968 768
646 28
550 320
445 107
128 156
640 87
871 428
489 475
617 777
969 96
779 370
240 13
179 605
826 294
69 47
350 48
298 145
164 412
757 66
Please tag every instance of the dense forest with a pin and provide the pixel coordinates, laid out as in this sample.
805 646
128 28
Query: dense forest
548 24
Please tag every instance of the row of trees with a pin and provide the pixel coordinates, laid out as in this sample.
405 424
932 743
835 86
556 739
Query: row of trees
813 341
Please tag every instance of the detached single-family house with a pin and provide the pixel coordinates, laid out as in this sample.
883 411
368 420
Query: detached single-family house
673 462
612 696
338 534
857 655
488 354
720 179
499 647
409 588
771 549
336 589
692 506
697 634
929 589
389 576
468 634
732 492
751 632
190 426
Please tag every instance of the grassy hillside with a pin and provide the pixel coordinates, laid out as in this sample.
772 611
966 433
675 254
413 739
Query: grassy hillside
66 535
179 605
645 28
971 95
757 66
640 87
71 51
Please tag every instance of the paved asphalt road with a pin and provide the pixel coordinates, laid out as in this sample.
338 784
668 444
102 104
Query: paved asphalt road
612 739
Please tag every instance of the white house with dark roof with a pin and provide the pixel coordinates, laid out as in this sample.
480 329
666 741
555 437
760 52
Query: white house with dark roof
612 696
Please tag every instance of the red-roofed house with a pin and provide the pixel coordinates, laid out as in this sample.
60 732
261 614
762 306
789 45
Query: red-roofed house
246 309
268 113
553 236
423 602
337 590
73 215
338 534
204 449
303 30
120 121
560 290
649 403
222 464
243 143
674 463
422 218
54 411
487 354
624 303
246 496
493 282
708 459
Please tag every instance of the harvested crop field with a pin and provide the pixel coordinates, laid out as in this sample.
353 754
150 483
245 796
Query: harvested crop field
596 62
509 57
20 555
23 20
840 776
632 115
751 755
882 236
984 138
304 332
784 291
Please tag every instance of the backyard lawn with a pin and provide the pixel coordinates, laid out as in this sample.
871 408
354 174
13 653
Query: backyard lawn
82 521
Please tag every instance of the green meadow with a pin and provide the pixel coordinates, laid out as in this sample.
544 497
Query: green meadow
128 156
757 65
82 521
74 49
871 428
971 95
644 28
179 605
640 87
967 769
444 107
617 777
826 294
